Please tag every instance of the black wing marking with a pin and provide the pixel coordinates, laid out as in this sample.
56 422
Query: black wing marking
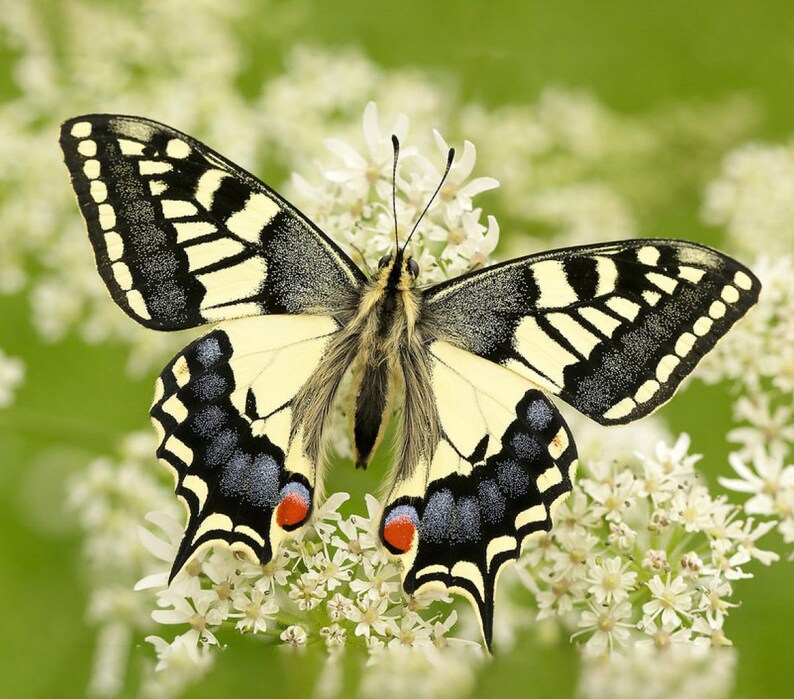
612 329
224 413
504 461
183 237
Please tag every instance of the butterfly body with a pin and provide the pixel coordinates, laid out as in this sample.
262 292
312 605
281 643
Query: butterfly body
183 237
391 344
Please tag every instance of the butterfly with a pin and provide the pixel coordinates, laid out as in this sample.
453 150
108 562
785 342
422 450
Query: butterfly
183 237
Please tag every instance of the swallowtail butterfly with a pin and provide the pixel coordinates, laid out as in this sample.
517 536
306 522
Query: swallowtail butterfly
183 237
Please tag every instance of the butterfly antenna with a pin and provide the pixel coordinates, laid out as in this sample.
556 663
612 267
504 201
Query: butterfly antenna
396 144
450 158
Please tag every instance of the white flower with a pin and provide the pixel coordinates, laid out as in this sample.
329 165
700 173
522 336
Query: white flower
671 599
766 481
369 617
307 591
412 630
690 565
181 653
771 427
612 490
664 473
574 552
327 518
655 560
454 193
712 598
254 610
199 611
339 607
379 581
560 596
363 171
610 581
621 536
607 625
748 534
710 630
693 508
662 637
294 636
336 570
360 535
335 636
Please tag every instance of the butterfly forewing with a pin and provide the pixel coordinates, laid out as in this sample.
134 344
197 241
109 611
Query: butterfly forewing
612 329
183 237
225 413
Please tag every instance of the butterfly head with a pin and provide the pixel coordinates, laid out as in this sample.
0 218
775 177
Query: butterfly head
397 269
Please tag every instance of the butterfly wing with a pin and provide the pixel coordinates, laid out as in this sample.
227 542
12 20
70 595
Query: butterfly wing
183 237
232 412
612 329
503 459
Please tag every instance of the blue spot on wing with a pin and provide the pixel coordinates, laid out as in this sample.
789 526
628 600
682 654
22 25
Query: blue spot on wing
513 480
221 447
539 414
492 502
437 517
526 447
208 351
209 387
208 421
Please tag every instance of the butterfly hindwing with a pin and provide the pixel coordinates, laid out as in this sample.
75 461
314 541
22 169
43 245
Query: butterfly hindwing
503 461
612 329
225 412
183 237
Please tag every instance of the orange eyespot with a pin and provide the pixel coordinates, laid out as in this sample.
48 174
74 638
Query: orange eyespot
399 533
294 506
399 528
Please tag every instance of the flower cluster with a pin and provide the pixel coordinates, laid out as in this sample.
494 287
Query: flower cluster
352 201
753 198
757 358
642 559
641 672
331 586
321 94
111 498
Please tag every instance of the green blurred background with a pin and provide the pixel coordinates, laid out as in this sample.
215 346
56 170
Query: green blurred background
77 400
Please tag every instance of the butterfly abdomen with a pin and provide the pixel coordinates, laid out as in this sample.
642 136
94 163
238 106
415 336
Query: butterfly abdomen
386 322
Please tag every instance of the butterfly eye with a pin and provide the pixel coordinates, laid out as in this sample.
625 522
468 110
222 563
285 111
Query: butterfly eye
413 267
383 261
